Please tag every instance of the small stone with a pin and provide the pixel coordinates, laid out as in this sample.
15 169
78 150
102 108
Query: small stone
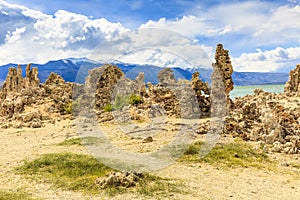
148 139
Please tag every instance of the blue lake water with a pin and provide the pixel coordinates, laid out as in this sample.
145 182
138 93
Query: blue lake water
239 91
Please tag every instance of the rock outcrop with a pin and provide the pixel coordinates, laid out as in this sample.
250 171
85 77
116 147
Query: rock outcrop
222 69
292 87
273 119
15 82
102 81
24 102
58 92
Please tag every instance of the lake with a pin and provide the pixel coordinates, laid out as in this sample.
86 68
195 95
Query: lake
239 91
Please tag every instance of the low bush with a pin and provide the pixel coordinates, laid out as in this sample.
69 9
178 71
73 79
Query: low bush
135 99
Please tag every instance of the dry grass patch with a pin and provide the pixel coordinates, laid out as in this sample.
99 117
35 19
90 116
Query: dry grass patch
82 141
16 195
66 170
78 172
236 154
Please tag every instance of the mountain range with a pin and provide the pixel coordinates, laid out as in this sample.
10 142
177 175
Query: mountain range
75 70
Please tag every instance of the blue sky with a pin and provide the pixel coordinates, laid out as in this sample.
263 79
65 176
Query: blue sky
261 35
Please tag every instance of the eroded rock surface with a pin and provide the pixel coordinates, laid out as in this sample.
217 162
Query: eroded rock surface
292 87
273 119
24 102
221 76
15 82
119 179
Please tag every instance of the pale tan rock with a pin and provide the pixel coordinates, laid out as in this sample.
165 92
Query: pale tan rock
293 85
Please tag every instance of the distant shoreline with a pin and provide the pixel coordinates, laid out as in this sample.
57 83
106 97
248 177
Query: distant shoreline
242 90
280 83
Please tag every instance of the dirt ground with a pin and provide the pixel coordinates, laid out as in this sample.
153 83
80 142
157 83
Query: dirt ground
203 180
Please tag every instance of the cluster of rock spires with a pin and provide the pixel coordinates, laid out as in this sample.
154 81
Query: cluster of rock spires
273 119
24 102
270 118
171 97
15 81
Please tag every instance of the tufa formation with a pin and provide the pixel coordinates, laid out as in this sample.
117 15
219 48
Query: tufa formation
293 85
222 72
24 102
15 82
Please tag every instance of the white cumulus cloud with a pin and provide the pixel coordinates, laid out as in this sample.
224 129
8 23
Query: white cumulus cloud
14 36
32 36
28 35
278 59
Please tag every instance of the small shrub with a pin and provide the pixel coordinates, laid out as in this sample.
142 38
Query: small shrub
71 107
108 108
120 102
135 99
68 108
193 149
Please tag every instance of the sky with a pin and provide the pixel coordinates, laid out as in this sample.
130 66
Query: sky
261 36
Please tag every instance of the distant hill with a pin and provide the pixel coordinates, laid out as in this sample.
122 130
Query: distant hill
68 69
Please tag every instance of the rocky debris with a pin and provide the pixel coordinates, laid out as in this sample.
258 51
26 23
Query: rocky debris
148 139
119 179
268 118
202 128
293 85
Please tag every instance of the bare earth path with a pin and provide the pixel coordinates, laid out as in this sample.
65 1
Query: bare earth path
202 180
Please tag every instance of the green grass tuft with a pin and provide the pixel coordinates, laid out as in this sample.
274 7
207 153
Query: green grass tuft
237 154
193 149
151 186
17 195
135 99
69 142
108 108
157 186
78 173
82 141
66 170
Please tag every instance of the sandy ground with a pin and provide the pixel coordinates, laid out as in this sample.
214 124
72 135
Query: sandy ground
202 180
